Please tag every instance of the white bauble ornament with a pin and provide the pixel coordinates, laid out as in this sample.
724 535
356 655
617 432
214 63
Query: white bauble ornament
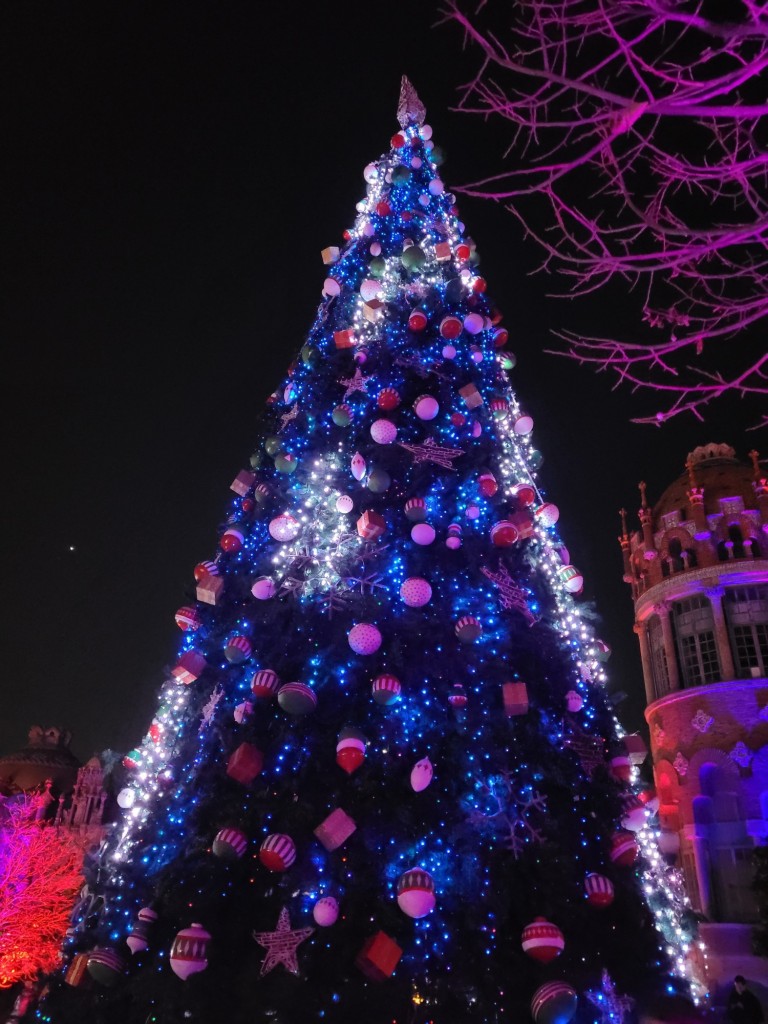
416 893
426 407
331 287
370 173
326 911
368 229
126 798
370 289
421 775
358 466
383 431
375 248
364 638
423 534
425 132
449 352
547 514
264 588
415 592
473 323
344 503
436 187
284 528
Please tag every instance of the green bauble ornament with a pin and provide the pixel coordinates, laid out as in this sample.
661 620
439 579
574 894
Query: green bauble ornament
400 174
413 258
535 458
285 462
508 361
474 258
309 354
437 156
376 267
255 460
378 481
342 415
272 445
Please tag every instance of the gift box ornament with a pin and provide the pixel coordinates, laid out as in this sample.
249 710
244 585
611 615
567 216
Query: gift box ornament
472 397
335 830
515 697
371 525
243 482
443 252
245 763
379 957
189 667
210 589
344 339
77 973
330 254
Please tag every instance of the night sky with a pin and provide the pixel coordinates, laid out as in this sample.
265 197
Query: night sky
169 175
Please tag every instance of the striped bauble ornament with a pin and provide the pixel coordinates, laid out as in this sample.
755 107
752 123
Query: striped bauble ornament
277 852
542 940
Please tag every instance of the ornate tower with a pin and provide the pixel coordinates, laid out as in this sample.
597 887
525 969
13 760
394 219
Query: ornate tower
698 569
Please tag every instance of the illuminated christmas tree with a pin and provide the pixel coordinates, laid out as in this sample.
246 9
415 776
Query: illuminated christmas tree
383 781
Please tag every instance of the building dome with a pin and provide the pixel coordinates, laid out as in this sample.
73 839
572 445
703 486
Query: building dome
715 468
45 756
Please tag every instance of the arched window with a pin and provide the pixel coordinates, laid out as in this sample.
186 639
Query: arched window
746 612
736 539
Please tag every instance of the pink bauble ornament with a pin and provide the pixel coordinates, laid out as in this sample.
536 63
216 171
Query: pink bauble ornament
230 844
277 852
632 813
468 629
237 650
364 638
284 528
415 592
473 323
453 540
472 511
426 407
449 352
421 775
326 911
243 712
331 287
264 588
523 424
370 289
189 952
554 1002
344 503
386 689
457 698
542 940
423 534
547 514
574 701
416 893
383 431
358 466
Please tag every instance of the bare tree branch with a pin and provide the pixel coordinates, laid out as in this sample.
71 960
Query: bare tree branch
638 157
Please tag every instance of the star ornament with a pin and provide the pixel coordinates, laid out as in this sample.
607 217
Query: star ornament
282 944
356 383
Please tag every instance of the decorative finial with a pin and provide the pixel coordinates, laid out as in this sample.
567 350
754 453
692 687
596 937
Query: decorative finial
623 514
690 466
642 486
755 455
410 109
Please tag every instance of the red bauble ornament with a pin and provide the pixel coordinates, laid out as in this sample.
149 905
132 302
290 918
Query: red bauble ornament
457 698
232 539
265 684
487 485
205 569
189 952
524 494
624 848
397 141
188 618
451 327
350 750
504 534
463 252
620 768
388 399
599 890
417 321
383 208
500 337
542 940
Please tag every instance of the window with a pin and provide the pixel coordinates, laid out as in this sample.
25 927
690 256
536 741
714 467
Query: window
691 879
659 666
694 627
747 615
733 880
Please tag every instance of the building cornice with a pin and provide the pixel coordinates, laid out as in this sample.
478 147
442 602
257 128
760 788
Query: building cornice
698 581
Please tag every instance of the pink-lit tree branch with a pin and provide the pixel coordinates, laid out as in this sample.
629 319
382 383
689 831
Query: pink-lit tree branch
639 156
40 873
